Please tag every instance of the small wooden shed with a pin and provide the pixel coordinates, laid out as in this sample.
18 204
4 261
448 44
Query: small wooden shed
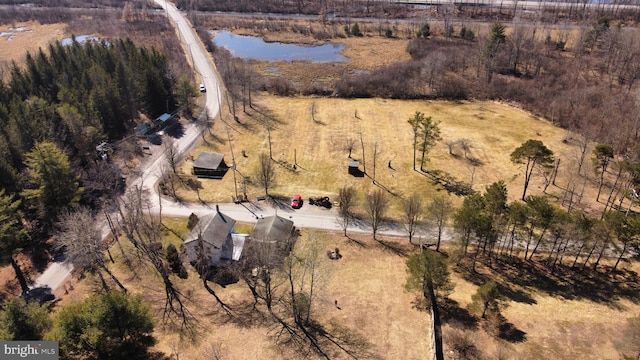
354 168
210 165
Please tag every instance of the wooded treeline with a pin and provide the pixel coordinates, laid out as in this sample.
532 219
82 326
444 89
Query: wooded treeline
547 11
582 78
536 227
109 19
57 109
588 89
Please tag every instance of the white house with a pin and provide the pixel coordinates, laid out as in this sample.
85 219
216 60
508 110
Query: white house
212 237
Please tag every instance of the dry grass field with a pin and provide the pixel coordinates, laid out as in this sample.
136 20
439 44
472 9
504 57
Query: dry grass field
555 325
319 147
28 37
373 308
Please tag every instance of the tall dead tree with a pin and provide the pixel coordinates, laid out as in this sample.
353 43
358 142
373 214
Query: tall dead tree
364 163
265 172
376 205
143 228
376 152
82 242
347 199
412 211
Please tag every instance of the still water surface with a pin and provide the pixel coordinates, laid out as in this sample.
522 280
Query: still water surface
252 47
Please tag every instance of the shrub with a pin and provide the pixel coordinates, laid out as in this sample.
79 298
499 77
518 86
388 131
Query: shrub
355 30
175 264
467 34
462 344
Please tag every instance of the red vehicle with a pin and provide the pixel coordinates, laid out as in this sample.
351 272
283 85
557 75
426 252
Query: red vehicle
296 202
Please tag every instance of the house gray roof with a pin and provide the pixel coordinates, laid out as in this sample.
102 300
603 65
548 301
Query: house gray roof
214 229
208 160
272 228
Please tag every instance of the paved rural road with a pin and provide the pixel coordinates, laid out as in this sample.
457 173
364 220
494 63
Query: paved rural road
60 271
308 216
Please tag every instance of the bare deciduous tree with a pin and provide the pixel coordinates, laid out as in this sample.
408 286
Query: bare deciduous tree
349 145
259 261
451 144
412 211
377 204
306 274
144 229
171 153
465 145
347 196
265 172
440 209
82 242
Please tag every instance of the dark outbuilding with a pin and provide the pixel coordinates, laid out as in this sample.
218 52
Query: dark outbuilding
354 168
210 165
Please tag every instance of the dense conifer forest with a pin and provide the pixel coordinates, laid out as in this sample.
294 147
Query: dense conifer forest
73 98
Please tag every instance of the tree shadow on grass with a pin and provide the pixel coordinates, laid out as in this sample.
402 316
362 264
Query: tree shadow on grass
505 287
571 283
352 240
378 184
452 313
335 339
507 331
392 247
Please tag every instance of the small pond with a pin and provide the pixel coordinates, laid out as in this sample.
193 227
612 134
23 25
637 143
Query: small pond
252 47
80 39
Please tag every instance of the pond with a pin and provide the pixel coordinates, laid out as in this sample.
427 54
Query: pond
252 47
80 39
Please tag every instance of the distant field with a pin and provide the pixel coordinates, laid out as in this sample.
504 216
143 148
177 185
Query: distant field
318 147
23 37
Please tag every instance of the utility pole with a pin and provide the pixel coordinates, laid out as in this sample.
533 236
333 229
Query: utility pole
233 165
